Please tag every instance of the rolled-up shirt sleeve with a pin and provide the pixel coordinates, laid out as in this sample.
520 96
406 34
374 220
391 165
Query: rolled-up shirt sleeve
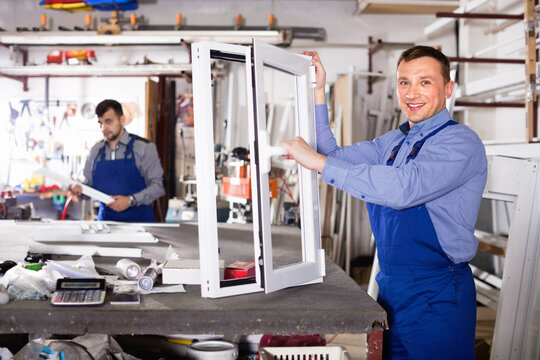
436 171
362 152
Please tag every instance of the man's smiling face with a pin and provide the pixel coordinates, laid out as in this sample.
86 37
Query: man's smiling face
421 89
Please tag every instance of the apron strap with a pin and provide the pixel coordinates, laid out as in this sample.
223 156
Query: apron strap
394 153
129 147
100 156
417 146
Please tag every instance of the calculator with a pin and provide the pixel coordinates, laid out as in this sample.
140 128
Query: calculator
79 292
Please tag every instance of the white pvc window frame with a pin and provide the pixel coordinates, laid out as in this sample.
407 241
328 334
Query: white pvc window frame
311 269
205 167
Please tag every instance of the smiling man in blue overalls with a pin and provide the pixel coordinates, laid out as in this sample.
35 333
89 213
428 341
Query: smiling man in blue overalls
125 166
423 185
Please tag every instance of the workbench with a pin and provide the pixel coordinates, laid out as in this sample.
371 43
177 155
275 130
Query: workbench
337 305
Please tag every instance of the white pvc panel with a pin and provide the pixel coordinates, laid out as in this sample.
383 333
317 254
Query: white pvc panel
311 266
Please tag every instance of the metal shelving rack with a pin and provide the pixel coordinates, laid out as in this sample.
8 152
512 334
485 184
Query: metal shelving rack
24 40
515 88
513 187
94 70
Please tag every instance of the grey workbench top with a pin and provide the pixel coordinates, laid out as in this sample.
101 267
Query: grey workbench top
337 305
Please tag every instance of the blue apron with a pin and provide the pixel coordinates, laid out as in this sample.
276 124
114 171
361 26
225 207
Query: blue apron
120 177
430 301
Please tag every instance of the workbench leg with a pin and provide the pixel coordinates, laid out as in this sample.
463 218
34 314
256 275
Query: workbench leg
375 343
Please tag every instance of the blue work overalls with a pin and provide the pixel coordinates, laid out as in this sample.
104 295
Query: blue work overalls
120 177
430 301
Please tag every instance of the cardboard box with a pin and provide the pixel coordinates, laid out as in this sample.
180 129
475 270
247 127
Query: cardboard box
185 271
240 269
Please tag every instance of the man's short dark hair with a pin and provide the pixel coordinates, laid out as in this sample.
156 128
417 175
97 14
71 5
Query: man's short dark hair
420 51
105 105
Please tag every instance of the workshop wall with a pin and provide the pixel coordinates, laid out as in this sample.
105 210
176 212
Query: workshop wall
344 51
346 34
71 129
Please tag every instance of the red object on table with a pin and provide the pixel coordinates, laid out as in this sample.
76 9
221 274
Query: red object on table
240 269
48 188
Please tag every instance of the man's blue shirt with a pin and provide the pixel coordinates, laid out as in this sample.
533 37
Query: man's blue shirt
448 175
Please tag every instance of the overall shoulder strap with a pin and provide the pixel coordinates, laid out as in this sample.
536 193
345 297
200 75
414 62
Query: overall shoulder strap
418 145
394 153
100 156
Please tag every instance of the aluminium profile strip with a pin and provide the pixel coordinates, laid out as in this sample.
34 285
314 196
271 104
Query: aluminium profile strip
80 250
139 238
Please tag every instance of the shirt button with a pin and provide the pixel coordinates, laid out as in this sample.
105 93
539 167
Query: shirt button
331 181
408 142
362 197
450 268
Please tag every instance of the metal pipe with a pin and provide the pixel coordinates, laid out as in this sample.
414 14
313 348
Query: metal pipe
479 16
487 60
492 104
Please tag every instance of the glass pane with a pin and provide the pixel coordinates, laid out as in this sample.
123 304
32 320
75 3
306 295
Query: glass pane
284 176
233 170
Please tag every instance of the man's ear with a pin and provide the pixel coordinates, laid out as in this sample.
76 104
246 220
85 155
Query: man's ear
123 120
449 88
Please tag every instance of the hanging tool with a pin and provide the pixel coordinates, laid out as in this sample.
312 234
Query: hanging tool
43 26
239 22
71 111
25 106
13 114
113 28
178 25
271 22
133 22
88 22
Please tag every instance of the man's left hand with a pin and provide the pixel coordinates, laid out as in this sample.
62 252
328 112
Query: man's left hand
120 203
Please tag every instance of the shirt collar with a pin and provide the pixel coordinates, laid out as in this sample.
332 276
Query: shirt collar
124 139
427 125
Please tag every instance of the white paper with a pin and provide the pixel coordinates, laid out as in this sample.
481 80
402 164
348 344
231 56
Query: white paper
167 289
87 190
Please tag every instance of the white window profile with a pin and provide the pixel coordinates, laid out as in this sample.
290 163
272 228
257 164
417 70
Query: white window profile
267 278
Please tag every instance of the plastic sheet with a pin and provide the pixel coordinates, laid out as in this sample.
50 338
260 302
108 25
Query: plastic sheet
24 284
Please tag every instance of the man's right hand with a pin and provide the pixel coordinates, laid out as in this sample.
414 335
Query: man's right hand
320 75
75 189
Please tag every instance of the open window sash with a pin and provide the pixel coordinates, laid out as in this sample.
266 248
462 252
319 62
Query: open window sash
311 268
267 278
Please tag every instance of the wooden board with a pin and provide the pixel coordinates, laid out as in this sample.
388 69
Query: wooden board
342 96
151 110
397 8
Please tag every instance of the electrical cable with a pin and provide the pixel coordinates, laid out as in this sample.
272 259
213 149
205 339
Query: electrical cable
289 192
68 200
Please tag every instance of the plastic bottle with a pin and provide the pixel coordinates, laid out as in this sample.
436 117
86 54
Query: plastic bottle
35 343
